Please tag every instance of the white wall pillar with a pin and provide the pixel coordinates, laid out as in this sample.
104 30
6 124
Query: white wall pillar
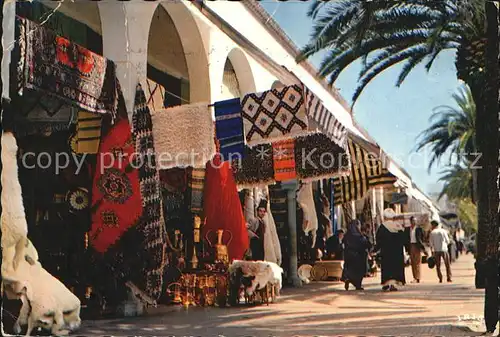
125 35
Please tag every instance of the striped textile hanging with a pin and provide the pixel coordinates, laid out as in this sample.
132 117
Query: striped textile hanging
326 120
366 171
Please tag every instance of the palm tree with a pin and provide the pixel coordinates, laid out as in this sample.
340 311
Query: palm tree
384 33
457 183
453 129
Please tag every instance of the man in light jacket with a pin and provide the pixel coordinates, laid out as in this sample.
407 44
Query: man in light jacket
439 241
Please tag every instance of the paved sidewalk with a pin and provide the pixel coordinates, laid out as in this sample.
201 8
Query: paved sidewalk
326 309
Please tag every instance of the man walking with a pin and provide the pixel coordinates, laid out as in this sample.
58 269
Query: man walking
439 241
416 248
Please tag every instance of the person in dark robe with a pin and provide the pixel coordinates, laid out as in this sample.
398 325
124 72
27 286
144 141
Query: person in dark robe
355 256
256 230
335 246
390 240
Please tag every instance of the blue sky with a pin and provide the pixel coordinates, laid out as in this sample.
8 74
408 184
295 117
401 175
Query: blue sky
393 116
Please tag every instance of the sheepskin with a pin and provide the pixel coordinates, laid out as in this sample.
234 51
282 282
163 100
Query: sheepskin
45 295
183 136
13 221
305 198
263 272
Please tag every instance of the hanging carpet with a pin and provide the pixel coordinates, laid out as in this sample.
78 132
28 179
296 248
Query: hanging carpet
116 196
222 207
196 181
184 136
152 222
284 160
88 132
54 65
229 128
255 168
274 115
366 171
318 157
174 188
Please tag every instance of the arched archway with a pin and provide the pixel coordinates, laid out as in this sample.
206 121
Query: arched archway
243 71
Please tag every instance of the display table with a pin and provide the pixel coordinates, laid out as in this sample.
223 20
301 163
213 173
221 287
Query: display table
200 288
324 270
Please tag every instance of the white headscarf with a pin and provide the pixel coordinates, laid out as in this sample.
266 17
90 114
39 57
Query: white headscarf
392 225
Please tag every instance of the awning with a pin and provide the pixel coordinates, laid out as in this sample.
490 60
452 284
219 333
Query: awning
367 170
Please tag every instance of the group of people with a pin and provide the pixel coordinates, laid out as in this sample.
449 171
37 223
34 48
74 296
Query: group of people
391 238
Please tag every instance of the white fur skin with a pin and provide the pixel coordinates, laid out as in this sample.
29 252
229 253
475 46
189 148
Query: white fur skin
264 272
13 220
47 303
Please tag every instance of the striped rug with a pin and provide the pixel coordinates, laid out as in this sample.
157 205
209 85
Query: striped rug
366 171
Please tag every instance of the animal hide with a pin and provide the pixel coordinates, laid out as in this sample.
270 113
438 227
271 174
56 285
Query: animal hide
183 136
13 220
305 198
272 247
262 272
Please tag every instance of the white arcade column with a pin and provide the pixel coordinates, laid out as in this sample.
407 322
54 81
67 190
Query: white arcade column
291 189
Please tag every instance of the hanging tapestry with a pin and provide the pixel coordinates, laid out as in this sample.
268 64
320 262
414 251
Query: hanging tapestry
88 132
184 136
222 207
255 168
155 95
325 119
366 171
116 196
196 180
41 114
318 157
229 128
152 218
284 160
54 65
174 191
274 115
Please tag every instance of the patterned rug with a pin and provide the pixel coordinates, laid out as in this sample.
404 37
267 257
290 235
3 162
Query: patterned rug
255 168
196 181
54 65
174 190
116 198
274 115
184 136
229 128
284 160
318 157
152 223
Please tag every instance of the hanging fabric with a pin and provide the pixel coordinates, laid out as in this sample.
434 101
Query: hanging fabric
196 182
222 207
184 136
284 160
256 167
229 128
116 196
318 157
152 221
305 198
329 125
54 65
88 132
274 115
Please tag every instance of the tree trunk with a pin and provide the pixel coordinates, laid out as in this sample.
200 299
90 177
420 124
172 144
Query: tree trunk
487 136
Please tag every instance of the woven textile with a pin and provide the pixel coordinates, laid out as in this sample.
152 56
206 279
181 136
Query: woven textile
366 171
222 207
318 157
229 128
88 130
274 115
116 196
196 181
54 65
155 95
255 168
174 191
184 136
152 223
284 160
325 119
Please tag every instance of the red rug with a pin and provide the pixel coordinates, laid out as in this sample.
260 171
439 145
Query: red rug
222 208
116 195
